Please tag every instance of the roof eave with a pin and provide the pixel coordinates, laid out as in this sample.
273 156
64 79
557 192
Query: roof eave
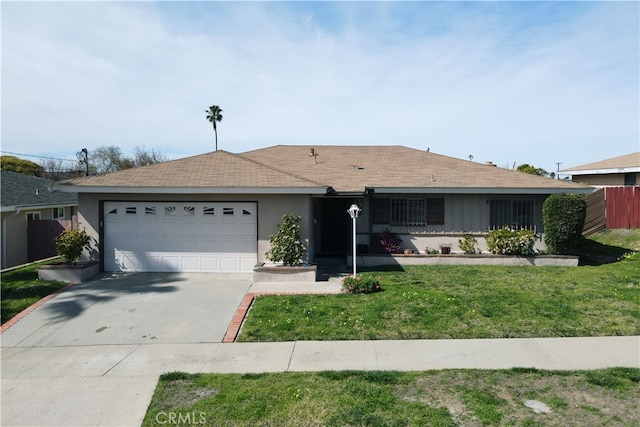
40 206
630 169
190 190
479 190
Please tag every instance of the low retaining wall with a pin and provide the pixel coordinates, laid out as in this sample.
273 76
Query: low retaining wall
463 259
306 273
69 273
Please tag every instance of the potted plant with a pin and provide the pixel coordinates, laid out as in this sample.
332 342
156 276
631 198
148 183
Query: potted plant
70 244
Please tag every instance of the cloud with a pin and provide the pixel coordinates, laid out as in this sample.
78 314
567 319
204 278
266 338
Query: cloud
532 83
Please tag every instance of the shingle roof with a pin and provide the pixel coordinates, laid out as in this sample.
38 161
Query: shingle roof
216 169
354 168
627 161
20 190
342 168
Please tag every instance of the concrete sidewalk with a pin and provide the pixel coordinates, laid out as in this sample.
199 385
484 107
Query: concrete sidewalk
112 385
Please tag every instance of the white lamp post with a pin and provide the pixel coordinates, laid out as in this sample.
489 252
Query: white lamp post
354 211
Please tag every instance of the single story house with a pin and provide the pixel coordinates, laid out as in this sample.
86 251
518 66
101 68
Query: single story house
614 172
216 211
26 198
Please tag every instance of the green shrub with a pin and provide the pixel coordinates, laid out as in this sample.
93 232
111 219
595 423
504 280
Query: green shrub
71 243
386 242
468 244
563 218
287 245
361 284
506 241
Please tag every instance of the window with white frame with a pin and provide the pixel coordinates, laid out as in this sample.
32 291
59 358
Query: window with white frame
33 216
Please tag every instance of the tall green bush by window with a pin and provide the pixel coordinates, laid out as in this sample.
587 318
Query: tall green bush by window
71 243
507 241
287 246
563 218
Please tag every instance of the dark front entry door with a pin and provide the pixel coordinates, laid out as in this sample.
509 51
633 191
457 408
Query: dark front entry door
334 226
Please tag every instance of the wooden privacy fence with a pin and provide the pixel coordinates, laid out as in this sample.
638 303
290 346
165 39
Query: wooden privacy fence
41 236
612 207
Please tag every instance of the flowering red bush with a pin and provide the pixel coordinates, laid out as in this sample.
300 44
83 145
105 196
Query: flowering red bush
361 284
386 242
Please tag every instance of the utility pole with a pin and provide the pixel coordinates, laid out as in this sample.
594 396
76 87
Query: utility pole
83 158
558 170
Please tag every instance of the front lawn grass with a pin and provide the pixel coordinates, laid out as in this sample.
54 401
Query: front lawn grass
441 302
612 243
628 239
433 398
21 288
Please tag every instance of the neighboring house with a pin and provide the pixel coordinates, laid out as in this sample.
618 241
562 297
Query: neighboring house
614 172
216 211
26 198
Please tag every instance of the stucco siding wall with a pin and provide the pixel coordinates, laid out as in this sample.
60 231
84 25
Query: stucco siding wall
270 211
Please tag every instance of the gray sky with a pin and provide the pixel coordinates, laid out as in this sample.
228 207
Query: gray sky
508 82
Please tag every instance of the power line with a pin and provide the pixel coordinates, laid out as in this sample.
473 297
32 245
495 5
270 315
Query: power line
40 157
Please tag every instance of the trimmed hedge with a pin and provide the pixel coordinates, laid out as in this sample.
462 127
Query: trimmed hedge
563 218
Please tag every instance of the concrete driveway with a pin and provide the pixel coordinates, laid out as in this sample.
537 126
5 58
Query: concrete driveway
135 308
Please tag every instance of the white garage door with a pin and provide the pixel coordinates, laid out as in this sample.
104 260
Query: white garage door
153 236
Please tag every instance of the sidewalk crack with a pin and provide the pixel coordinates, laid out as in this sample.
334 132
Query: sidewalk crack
121 360
375 352
291 356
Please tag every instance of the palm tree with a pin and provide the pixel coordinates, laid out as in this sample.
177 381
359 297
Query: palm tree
214 115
